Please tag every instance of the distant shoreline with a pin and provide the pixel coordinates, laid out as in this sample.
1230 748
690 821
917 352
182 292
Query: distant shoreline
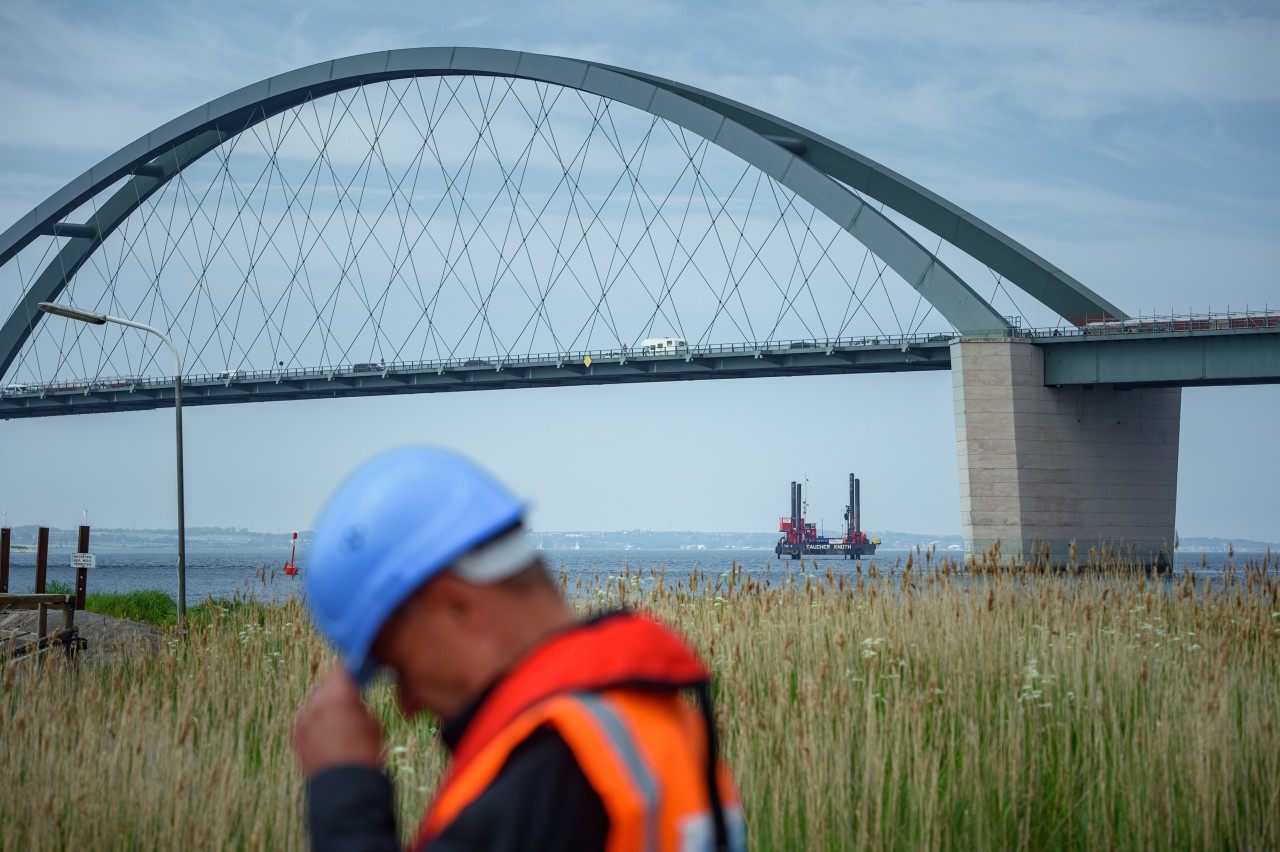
236 539
63 549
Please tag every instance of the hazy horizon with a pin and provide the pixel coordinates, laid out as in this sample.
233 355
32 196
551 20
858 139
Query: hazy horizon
303 533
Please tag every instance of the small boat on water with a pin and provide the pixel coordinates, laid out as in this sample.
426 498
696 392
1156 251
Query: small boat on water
290 568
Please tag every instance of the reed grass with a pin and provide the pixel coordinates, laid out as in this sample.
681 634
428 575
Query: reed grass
930 709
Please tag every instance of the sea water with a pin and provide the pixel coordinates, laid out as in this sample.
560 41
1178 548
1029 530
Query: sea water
222 573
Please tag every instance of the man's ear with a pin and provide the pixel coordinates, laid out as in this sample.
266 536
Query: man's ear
456 601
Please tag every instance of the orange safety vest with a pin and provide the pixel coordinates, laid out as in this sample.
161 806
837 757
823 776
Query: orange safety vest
610 690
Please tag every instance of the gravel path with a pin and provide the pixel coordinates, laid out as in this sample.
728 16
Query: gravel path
108 636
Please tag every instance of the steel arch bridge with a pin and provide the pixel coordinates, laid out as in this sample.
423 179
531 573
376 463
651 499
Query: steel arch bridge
462 218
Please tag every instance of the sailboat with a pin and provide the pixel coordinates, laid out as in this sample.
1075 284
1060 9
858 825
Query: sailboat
291 569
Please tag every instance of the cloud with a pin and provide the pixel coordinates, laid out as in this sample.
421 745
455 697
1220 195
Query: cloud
1053 116
472 22
1119 80
1060 59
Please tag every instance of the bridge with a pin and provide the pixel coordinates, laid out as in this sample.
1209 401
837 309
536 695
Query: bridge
1126 357
453 219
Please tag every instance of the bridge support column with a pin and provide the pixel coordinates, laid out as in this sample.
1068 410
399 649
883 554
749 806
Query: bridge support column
1041 467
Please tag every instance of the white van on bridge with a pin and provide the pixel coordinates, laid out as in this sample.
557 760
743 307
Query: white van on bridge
663 346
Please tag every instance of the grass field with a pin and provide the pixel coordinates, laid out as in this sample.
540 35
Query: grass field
927 710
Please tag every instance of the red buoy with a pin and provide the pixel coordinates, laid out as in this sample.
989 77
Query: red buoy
290 568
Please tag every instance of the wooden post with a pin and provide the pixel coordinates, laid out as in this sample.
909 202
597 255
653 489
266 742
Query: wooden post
82 573
42 566
42 559
4 561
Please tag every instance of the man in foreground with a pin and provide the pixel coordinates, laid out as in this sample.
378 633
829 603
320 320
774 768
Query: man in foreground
563 735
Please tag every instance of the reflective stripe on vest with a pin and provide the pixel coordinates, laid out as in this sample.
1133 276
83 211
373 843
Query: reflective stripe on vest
642 752
625 749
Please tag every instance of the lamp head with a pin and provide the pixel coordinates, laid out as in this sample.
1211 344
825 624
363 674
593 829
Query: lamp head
73 313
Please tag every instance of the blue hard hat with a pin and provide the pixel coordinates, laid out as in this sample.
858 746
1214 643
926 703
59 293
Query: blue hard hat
396 522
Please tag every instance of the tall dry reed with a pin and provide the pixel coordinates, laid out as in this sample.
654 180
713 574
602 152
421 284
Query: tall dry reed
930 709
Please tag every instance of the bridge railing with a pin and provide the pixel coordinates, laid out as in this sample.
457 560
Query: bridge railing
1176 323
1184 323
493 362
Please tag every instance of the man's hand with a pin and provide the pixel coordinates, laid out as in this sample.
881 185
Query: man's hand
334 728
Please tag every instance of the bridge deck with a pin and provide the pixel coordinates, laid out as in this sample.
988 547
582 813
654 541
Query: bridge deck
784 358
1168 359
1146 359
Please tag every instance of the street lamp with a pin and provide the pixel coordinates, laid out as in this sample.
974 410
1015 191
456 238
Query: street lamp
101 319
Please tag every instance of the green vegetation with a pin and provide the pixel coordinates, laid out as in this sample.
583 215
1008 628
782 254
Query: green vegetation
153 606
931 710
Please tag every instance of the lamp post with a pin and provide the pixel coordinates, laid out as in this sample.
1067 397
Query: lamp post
95 318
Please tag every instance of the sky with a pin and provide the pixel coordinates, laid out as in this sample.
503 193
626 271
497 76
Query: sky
1135 145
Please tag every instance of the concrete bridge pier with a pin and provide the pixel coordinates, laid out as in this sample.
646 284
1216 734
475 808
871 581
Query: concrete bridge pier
1045 466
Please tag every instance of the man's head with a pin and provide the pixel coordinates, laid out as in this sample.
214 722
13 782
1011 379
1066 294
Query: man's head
475 630
413 557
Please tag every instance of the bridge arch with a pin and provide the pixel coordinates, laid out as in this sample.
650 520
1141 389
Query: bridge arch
816 169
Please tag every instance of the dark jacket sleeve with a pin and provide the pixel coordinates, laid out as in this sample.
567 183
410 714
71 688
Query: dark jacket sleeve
351 809
540 800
